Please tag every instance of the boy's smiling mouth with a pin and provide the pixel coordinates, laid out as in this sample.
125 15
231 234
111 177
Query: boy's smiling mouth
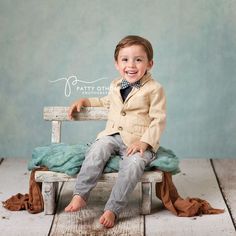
131 72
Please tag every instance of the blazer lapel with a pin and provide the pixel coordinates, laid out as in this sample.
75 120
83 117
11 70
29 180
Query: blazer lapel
132 93
144 80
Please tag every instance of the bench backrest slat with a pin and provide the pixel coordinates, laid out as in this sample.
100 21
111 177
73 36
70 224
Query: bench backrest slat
87 113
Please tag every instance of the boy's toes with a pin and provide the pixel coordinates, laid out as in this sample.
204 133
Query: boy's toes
107 219
101 220
68 208
109 224
76 204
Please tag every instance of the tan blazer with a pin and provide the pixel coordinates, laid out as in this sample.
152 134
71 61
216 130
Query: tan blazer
141 116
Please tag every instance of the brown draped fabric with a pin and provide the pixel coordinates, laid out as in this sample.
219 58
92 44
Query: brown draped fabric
32 201
167 193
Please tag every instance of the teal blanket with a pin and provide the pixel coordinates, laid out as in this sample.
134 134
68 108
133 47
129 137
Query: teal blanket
69 158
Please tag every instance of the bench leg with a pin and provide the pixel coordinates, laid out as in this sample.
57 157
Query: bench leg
49 191
146 202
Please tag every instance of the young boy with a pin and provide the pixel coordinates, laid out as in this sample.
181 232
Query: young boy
135 122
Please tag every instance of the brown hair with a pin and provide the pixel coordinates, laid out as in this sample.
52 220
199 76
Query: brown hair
134 40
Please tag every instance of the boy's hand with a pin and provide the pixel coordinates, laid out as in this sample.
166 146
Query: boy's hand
76 106
137 147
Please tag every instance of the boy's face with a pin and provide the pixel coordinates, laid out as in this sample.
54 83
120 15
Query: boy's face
132 63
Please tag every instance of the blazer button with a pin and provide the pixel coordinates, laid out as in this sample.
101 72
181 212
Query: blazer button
120 128
123 113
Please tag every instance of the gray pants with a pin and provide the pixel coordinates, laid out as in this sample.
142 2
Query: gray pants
130 171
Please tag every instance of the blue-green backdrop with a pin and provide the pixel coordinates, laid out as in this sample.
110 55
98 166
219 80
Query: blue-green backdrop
48 40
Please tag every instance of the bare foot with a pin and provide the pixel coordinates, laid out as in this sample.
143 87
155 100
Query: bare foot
108 219
76 204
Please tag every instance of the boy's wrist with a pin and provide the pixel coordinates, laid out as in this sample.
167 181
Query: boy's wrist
145 145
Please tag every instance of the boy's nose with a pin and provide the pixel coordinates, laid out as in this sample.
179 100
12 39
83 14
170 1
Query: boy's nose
131 64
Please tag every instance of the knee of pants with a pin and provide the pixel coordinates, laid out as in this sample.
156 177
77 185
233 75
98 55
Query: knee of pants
133 164
101 147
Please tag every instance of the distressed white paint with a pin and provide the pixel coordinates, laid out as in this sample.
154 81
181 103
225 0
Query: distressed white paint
56 131
49 192
146 203
51 176
87 113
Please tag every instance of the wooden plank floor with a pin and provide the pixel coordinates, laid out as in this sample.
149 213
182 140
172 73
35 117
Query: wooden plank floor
226 173
197 179
14 178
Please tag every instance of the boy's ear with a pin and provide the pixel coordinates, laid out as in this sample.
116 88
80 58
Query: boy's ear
150 65
116 65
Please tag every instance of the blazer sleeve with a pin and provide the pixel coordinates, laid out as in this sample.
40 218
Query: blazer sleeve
157 114
101 101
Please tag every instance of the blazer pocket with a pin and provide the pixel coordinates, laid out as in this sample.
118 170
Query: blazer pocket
137 129
140 128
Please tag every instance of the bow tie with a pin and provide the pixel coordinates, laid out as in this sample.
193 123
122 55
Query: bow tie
125 84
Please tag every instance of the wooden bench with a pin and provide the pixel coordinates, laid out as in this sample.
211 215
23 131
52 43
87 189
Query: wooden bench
51 179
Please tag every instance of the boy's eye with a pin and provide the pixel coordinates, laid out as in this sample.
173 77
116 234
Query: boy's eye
124 59
139 59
